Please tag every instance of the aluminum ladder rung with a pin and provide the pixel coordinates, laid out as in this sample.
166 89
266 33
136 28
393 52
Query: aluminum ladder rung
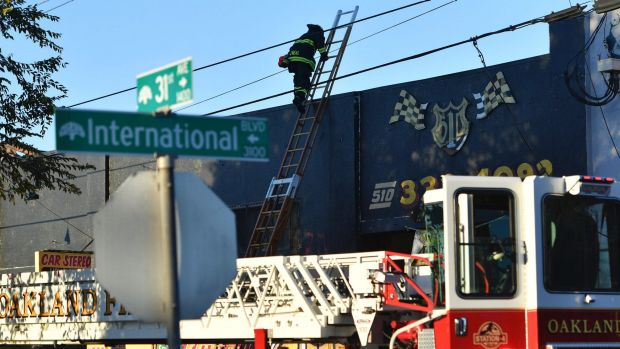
291 165
292 183
266 228
264 244
301 134
278 196
270 212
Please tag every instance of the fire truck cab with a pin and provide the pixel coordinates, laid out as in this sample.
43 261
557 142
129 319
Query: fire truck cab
531 263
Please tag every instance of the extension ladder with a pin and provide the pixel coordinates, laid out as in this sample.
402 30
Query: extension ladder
281 192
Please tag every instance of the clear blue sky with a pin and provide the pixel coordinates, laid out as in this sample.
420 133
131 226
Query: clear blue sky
107 43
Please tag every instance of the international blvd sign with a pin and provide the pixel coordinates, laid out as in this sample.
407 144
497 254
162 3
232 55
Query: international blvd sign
135 133
169 86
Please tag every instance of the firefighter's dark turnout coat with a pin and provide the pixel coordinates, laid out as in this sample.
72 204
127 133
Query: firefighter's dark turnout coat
303 49
300 59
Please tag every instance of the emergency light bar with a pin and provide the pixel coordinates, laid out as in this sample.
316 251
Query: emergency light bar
588 185
592 179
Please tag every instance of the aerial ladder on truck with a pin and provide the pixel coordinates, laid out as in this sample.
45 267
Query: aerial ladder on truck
278 201
321 296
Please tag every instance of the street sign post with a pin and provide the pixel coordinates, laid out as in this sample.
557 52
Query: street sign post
165 87
135 133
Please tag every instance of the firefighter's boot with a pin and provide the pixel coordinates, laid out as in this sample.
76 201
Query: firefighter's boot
299 100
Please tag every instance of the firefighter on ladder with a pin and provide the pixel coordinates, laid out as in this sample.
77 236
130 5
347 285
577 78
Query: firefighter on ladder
300 61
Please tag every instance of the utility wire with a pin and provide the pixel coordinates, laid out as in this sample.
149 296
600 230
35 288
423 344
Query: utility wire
115 169
574 84
349 44
326 30
403 22
64 220
231 90
418 55
569 74
611 137
256 51
61 5
512 113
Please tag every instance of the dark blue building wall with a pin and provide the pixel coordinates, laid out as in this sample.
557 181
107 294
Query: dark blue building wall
357 158
327 195
542 133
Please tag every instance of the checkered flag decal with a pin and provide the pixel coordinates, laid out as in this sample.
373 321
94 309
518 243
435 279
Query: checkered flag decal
409 110
494 94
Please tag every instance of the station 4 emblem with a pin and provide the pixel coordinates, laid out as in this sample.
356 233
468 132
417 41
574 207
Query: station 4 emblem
490 335
451 127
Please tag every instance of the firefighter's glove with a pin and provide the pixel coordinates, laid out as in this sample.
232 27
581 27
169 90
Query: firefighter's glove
283 61
324 57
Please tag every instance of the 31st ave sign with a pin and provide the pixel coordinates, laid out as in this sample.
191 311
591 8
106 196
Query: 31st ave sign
166 87
136 133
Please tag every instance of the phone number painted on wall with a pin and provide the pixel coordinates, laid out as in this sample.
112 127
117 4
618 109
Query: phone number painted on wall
409 191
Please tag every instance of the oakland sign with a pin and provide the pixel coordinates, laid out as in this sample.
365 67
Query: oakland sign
136 133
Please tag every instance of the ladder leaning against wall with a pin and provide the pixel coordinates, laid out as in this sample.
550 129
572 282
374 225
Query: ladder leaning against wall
281 192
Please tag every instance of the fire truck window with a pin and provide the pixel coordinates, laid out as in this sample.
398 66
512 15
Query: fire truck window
432 242
486 244
581 244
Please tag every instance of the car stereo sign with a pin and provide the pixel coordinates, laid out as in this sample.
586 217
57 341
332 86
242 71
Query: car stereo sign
135 133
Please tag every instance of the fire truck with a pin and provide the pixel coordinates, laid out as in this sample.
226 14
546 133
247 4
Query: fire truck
502 263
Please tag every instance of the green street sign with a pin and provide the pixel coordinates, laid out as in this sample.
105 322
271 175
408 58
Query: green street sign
138 133
169 86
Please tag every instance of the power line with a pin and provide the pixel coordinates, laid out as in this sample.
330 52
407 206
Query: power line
418 55
293 40
349 44
115 169
611 137
512 113
403 22
231 90
102 97
86 214
61 5
567 75
574 83
64 220
256 51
